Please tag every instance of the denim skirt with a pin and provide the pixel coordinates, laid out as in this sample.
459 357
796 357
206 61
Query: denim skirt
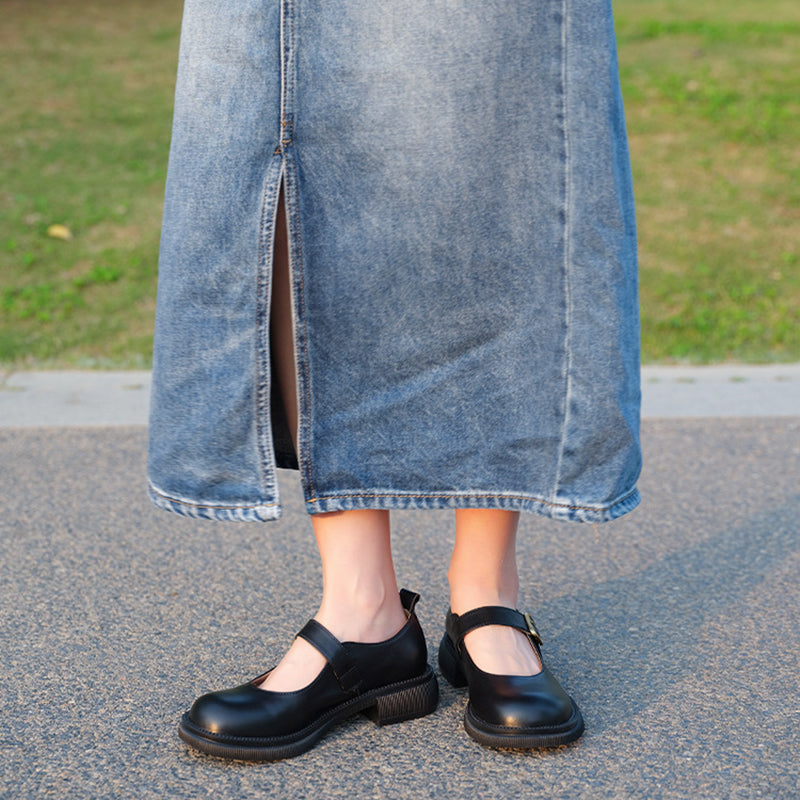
462 256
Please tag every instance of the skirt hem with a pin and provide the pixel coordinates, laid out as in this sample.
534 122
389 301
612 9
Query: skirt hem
398 501
233 513
559 511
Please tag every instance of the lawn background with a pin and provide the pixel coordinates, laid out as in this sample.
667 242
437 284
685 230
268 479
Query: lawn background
713 108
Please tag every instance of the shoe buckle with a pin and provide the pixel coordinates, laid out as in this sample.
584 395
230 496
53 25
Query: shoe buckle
532 632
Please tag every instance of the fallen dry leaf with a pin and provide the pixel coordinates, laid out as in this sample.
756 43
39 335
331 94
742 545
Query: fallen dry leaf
59 232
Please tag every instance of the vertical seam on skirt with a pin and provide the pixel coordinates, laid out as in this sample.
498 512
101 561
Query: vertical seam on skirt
287 71
263 309
286 133
291 188
567 248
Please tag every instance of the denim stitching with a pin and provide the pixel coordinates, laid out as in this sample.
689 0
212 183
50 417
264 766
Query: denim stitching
465 495
287 66
567 253
304 421
232 507
284 75
288 45
263 342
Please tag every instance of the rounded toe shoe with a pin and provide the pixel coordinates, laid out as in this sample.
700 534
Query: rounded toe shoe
515 711
389 681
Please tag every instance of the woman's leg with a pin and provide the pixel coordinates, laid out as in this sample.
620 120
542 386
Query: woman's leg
281 327
360 600
483 572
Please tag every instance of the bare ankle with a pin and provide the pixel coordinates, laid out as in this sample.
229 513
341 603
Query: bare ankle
365 612
468 594
483 567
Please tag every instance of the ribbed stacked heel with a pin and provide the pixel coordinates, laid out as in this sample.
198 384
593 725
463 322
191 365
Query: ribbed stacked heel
450 663
415 700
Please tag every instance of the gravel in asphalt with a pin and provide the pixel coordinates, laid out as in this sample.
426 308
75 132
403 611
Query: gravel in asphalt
676 628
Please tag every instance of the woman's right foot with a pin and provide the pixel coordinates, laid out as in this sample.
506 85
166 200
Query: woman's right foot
388 680
302 662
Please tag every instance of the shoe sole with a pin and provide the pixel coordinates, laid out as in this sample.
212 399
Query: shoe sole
386 705
518 739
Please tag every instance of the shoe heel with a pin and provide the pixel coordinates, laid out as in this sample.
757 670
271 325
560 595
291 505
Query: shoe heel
408 703
450 664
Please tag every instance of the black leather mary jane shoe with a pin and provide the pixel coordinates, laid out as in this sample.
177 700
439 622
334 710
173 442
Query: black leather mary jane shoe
517 711
389 681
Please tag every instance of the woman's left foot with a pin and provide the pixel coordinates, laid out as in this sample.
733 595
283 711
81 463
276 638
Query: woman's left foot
512 710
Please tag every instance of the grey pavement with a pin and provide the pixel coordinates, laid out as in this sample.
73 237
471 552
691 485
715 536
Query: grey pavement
676 628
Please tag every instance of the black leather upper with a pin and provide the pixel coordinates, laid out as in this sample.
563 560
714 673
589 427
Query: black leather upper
353 668
509 703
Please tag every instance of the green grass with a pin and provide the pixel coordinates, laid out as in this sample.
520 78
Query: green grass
84 131
713 113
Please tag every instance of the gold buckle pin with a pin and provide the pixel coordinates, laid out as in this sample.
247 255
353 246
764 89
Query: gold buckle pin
532 629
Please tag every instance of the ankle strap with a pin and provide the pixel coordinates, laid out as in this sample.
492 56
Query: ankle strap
458 626
331 648
346 672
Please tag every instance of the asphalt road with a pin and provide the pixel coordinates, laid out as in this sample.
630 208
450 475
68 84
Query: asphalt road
676 628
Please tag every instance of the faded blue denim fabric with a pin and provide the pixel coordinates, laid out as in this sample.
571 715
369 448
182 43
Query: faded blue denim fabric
463 257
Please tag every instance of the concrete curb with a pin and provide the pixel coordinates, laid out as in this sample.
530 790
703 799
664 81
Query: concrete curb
95 398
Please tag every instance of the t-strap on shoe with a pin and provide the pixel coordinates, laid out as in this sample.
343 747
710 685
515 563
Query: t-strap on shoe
390 681
518 711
